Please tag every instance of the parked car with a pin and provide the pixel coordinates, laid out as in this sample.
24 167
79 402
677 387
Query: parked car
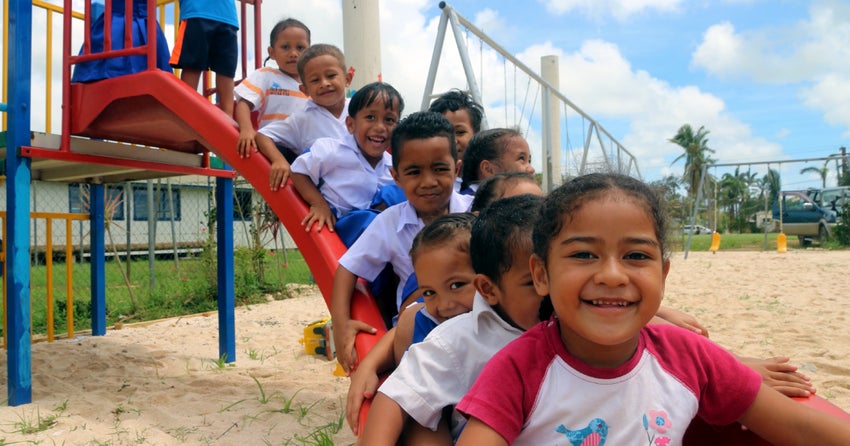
696 229
803 217
834 198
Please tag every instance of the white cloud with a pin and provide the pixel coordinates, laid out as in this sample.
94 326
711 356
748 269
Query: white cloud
618 9
812 52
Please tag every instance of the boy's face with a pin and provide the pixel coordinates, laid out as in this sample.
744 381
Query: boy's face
514 297
286 48
426 173
445 278
372 127
463 129
325 82
606 281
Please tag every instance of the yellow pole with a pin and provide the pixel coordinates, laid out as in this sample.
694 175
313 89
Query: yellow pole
49 267
69 283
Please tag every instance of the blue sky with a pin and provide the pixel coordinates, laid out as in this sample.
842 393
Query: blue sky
769 79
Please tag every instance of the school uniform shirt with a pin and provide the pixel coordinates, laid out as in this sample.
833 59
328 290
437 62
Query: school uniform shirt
388 239
344 177
438 371
223 11
303 128
535 392
272 93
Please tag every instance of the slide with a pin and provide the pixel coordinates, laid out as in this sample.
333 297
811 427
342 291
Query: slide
157 109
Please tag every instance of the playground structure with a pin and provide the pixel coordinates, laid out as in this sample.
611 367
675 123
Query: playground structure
154 110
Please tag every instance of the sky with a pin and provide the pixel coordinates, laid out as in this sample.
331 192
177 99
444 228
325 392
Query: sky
770 80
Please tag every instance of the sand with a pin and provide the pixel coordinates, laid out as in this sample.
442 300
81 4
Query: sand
159 383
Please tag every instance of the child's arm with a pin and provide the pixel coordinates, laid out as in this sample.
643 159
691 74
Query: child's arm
783 421
476 433
345 328
246 129
320 212
385 422
404 330
280 167
364 380
782 376
681 319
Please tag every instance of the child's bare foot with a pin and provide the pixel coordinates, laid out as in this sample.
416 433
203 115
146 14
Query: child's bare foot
777 373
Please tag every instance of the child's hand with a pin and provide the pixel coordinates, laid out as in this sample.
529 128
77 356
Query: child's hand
363 385
776 372
246 143
682 319
279 174
346 354
321 215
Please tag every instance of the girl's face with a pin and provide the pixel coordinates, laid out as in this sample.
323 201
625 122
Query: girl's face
463 128
514 297
445 279
288 45
605 275
372 127
516 157
325 82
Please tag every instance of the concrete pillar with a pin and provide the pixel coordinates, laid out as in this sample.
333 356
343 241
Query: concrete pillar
551 124
362 40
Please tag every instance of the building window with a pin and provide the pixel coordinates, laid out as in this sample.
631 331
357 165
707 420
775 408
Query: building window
242 204
78 200
160 203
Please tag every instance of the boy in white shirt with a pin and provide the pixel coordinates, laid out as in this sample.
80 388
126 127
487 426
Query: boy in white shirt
339 178
424 166
324 78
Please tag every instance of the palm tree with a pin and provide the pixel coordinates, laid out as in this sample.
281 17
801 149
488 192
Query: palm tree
823 172
772 183
696 154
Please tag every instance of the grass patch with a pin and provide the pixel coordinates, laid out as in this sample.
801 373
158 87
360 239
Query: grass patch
188 288
737 242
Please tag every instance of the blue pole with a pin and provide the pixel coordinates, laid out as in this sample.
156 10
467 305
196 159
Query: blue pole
97 228
18 176
226 291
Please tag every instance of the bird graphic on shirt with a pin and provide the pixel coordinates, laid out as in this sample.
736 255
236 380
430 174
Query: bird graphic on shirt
592 435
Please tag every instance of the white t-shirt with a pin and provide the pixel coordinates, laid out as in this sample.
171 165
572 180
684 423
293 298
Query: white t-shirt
272 93
535 392
438 371
387 240
303 128
344 177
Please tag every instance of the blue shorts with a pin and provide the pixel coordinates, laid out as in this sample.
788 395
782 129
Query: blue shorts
206 44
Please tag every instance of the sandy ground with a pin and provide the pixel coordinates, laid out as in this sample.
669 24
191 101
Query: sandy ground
160 383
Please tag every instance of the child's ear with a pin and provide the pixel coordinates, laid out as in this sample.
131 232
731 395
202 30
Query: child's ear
458 168
349 124
487 289
349 76
394 173
486 167
539 275
665 268
303 88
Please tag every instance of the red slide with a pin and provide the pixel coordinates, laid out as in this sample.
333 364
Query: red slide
157 109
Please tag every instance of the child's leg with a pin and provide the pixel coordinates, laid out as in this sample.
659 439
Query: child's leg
224 89
416 434
191 77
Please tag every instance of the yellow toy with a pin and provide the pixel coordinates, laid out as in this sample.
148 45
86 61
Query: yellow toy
318 339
